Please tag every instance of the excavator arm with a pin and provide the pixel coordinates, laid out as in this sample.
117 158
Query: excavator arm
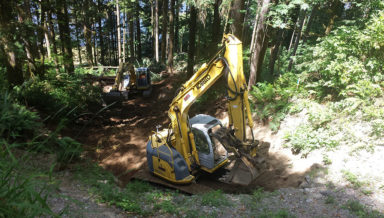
230 66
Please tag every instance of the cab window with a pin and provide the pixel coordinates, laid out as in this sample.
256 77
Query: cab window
200 141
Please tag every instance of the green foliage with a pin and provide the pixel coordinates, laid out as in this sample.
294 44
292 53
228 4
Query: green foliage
327 160
258 194
102 185
360 210
346 63
138 187
330 200
192 214
68 150
319 116
378 128
352 178
15 120
277 214
214 198
17 123
373 112
272 101
166 206
348 106
306 139
129 205
20 194
61 94
3 79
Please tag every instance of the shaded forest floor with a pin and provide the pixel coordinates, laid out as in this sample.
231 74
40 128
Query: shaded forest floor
344 182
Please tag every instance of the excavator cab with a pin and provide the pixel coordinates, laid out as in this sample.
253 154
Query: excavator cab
212 154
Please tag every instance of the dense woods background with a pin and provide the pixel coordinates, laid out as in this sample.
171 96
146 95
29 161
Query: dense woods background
36 35
328 52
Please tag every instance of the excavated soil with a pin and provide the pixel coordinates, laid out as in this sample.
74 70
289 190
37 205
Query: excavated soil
116 139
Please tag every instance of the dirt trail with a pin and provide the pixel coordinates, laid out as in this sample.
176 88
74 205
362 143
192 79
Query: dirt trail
117 140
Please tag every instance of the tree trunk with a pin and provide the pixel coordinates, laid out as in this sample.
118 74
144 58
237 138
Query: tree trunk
237 17
113 47
53 40
77 39
216 27
40 31
8 47
252 46
245 37
192 39
164 31
94 42
176 24
28 36
131 39
309 23
118 31
157 30
260 45
297 40
101 40
47 40
171 37
138 31
65 35
275 50
333 12
87 32
44 29
124 37
153 28
294 32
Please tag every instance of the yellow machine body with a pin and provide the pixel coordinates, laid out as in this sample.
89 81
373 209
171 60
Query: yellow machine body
166 148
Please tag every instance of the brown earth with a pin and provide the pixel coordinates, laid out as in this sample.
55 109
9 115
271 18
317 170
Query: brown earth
117 137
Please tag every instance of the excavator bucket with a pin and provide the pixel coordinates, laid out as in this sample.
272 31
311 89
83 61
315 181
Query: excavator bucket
243 171
245 168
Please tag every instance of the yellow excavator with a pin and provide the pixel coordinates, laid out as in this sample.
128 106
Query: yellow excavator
202 143
129 80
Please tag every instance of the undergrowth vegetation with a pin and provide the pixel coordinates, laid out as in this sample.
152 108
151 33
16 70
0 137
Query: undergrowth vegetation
336 83
23 135
21 195
59 94
23 192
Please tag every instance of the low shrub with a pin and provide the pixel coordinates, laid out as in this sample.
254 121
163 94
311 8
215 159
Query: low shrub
20 195
214 198
16 121
361 210
306 139
271 102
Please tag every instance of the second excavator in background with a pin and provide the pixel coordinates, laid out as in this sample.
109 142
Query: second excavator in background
129 80
202 143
